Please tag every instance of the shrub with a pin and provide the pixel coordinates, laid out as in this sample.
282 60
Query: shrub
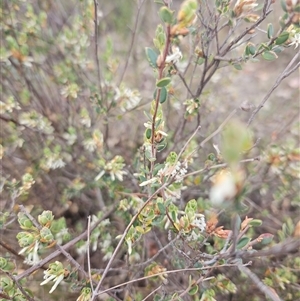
157 173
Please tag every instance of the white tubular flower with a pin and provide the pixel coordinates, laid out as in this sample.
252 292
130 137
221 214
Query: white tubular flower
175 57
153 180
295 40
55 273
33 257
199 222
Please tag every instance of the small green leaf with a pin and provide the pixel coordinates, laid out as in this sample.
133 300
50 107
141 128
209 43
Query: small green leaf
193 290
148 116
161 208
252 49
237 66
243 242
157 167
161 146
278 49
163 94
152 57
269 55
270 30
148 133
163 82
283 37
255 223
283 5
200 61
166 15
158 123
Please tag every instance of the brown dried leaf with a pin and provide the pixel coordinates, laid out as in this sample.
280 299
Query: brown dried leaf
211 223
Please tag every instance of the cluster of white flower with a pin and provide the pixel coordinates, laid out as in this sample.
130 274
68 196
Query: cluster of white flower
9 105
70 137
199 222
295 40
52 161
127 99
175 57
179 171
191 105
90 145
35 120
114 168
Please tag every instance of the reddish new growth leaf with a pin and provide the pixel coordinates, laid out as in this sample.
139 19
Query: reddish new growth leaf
211 224
212 229
220 232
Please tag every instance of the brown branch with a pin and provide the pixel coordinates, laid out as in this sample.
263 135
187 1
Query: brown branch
284 248
259 284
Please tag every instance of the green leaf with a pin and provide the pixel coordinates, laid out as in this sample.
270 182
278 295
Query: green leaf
158 123
283 5
166 15
250 49
255 223
237 66
157 167
200 61
269 55
161 208
152 57
283 37
148 133
193 290
270 30
163 94
148 116
161 146
163 82
243 242
278 49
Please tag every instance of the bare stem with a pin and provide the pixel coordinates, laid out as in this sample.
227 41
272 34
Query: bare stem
286 72
132 40
96 48
95 293
259 284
